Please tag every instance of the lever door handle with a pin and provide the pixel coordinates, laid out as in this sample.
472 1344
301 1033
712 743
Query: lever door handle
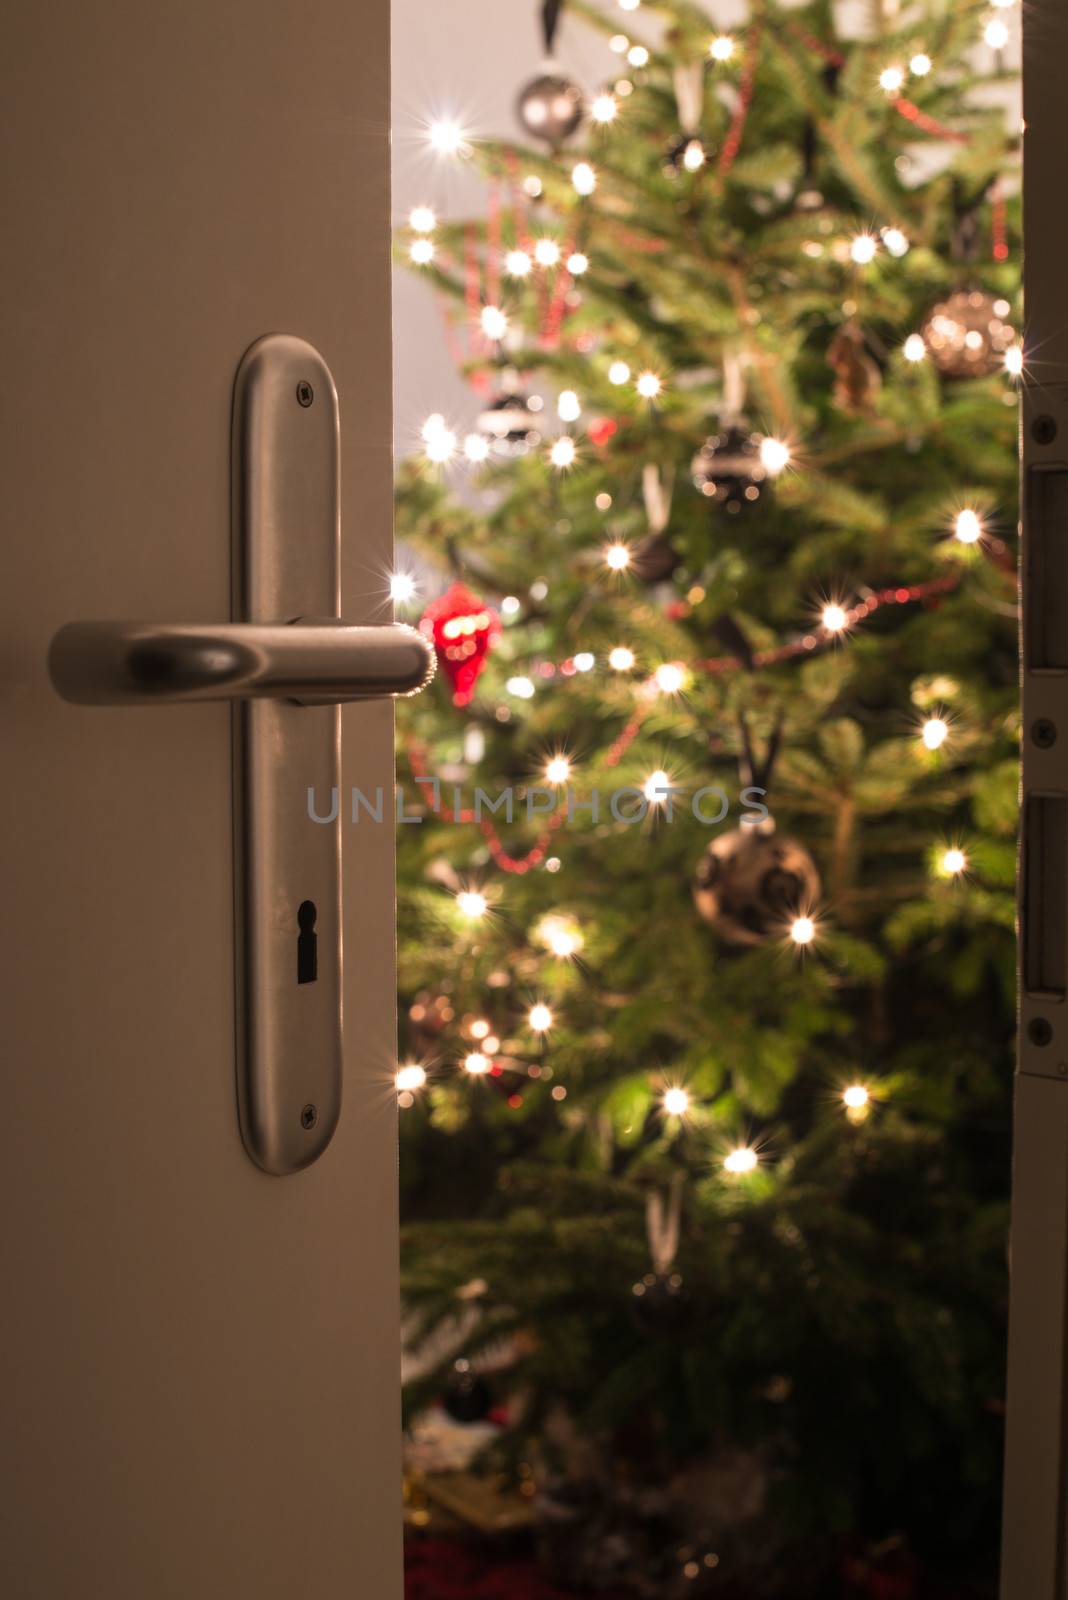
287 679
149 663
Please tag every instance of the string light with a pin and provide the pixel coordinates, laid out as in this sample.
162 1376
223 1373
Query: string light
476 1063
863 248
968 528
471 904
421 251
422 220
920 65
621 659
855 1096
540 1017
510 606
585 661
638 55
722 47
401 587
996 34
629 5
522 688
953 861
618 44
546 252
1014 360
670 677
568 408
648 385
802 930
479 1028
741 1160
935 732
410 1077
914 348
656 786
834 617
517 263
604 108
563 451
891 79
774 455
577 264
557 770
896 242
560 935
617 557
618 372
693 157
447 138
476 448
494 322
676 1102
438 439
583 178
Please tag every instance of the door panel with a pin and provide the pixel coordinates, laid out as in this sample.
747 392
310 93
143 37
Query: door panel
201 1358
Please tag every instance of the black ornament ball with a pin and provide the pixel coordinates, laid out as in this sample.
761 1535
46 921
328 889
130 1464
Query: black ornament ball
751 883
684 155
510 424
653 559
728 470
550 107
467 1397
659 1303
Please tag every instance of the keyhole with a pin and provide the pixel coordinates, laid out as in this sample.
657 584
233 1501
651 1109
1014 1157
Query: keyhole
307 942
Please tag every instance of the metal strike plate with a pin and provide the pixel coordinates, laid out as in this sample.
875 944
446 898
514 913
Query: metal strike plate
286 555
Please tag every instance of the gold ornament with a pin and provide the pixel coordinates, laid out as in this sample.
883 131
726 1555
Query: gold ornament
967 335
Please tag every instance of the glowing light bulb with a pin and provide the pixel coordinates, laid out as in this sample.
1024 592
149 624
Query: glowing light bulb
670 677
568 407
693 157
421 251
522 688
802 930
891 79
585 661
540 1017
996 34
968 528
617 557
401 587
954 861
440 444
410 1077
914 348
774 455
618 44
935 732
479 1028
863 248
476 448
558 770
517 263
583 178
494 322
1014 360
629 5
722 47
856 1096
648 385
676 1102
741 1160
895 241
510 606
476 1063
471 903
920 65
604 108
638 55
560 935
621 659
834 617
447 137
577 264
563 452
546 252
656 786
422 220
618 372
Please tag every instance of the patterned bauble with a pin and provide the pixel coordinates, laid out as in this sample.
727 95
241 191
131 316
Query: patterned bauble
659 1304
463 630
550 107
728 469
510 423
968 334
751 883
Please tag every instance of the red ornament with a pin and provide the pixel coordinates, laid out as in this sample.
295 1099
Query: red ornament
601 430
463 631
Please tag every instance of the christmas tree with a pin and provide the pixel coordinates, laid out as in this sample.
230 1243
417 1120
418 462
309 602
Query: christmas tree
706 1026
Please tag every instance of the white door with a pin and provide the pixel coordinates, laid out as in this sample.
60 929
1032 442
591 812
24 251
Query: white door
199 1357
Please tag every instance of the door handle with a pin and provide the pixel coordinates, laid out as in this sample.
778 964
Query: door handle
286 679
147 663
